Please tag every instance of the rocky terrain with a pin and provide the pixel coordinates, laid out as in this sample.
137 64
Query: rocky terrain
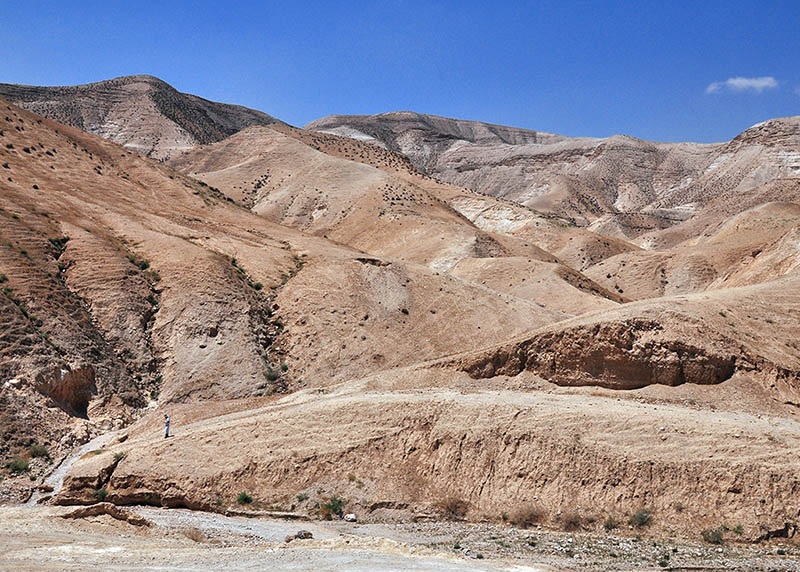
139 112
335 328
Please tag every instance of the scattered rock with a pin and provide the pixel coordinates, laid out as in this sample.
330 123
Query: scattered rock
299 535
111 510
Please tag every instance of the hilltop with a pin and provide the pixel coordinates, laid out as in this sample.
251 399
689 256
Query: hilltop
140 112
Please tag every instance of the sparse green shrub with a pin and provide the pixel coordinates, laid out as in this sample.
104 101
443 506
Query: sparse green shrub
37 450
271 374
244 498
284 368
144 265
59 243
528 515
641 518
302 497
101 494
3 278
738 529
18 465
257 285
714 535
334 506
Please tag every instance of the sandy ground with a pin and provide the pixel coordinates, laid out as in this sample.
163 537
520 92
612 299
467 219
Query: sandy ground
37 539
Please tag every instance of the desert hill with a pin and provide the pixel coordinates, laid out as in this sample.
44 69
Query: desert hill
620 186
323 319
140 112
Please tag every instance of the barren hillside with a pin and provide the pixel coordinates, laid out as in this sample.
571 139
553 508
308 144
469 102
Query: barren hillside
323 320
139 112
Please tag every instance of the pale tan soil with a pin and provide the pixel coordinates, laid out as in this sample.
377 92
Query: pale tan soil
141 113
569 450
37 539
445 349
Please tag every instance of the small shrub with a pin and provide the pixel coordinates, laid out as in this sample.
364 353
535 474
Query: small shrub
641 518
454 508
118 456
18 465
244 498
334 506
713 535
302 497
571 521
284 368
738 529
101 494
610 523
144 265
257 285
528 515
271 374
3 278
37 450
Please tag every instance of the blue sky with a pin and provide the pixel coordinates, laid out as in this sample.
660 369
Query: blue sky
666 71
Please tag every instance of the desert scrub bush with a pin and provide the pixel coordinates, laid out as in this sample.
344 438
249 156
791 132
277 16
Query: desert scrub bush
571 521
101 494
610 524
302 497
714 535
37 450
641 518
453 508
334 506
244 498
528 515
18 465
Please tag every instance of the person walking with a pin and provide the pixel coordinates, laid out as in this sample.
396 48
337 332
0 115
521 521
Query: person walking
166 425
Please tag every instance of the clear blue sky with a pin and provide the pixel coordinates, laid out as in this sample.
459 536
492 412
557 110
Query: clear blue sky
662 70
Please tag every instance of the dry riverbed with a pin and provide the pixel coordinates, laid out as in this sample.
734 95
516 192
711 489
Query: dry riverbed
36 538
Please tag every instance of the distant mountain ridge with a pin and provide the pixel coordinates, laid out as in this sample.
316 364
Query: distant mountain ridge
140 112
620 185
